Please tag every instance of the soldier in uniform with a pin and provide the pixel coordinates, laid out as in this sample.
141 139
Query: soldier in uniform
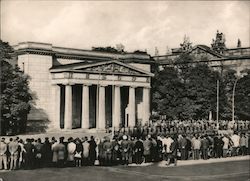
107 149
125 148
147 144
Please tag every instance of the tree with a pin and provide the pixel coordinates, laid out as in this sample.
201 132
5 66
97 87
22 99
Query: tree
227 83
242 97
188 90
167 89
15 98
201 88
218 43
186 46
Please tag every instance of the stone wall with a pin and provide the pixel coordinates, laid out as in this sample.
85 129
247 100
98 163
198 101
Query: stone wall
37 67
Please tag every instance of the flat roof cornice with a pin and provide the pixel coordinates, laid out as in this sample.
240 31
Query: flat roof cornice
46 48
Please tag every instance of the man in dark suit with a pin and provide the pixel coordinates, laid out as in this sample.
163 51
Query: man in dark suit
183 147
138 150
29 154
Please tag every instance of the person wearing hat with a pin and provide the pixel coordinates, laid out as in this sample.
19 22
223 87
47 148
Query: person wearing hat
138 151
46 153
183 147
147 144
92 150
107 148
3 156
29 154
38 154
125 149
204 147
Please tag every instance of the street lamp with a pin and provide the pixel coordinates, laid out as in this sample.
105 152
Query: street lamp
217 107
233 97
238 76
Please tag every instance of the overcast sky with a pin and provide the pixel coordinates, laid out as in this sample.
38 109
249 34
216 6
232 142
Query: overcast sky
137 25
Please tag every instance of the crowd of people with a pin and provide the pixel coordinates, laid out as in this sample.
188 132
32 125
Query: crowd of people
125 147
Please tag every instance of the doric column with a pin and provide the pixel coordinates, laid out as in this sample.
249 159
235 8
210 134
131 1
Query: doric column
68 107
57 103
54 112
117 108
101 108
131 120
85 106
146 111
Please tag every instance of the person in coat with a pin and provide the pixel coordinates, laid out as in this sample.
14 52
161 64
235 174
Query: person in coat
71 148
183 147
85 155
92 150
125 149
138 151
29 154
78 152
204 147
46 153
38 154
147 144
61 152
107 148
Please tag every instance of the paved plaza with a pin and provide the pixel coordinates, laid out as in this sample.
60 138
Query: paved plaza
224 169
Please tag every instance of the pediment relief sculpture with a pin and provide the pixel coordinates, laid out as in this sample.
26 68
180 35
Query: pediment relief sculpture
112 68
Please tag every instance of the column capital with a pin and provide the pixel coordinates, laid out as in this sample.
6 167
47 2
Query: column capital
68 84
146 87
86 84
102 85
133 86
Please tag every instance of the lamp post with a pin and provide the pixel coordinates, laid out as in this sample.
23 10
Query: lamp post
238 76
233 97
217 111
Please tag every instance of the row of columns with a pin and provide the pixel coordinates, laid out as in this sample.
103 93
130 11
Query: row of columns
101 117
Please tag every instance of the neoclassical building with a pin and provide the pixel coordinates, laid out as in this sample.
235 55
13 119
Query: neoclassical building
237 59
75 88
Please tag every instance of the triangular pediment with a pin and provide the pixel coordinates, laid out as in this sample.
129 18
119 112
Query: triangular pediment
206 51
108 67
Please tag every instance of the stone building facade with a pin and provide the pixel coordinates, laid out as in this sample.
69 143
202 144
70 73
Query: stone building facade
237 59
75 88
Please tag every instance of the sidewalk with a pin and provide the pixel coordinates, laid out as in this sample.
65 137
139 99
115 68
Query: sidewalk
201 161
